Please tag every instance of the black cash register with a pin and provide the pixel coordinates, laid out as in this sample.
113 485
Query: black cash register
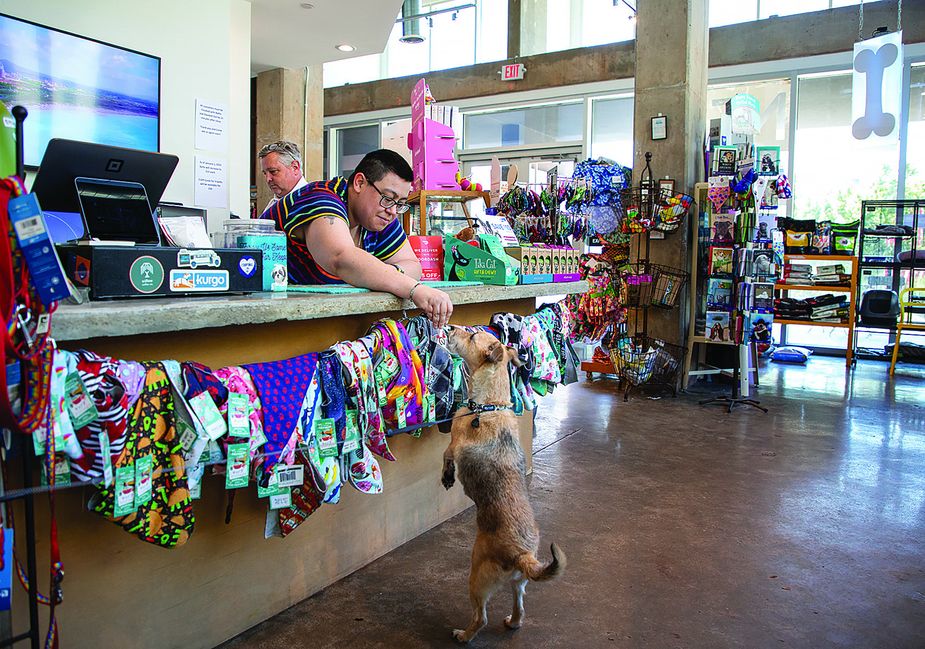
121 255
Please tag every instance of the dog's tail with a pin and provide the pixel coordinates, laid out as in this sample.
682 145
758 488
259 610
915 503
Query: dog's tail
533 570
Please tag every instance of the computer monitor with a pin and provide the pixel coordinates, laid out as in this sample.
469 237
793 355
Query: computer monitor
66 160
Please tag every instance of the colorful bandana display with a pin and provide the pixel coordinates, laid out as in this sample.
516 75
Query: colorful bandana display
166 519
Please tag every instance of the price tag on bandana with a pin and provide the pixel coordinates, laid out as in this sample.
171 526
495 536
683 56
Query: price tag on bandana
258 439
290 476
383 398
352 436
79 404
106 455
431 408
400 411
143 468
237 467
238 423
389 364
208 415
215 453
62 469
187 435
281 500
271 488
125 491
326 438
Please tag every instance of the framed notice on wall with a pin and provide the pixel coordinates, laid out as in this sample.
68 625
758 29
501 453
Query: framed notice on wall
660 127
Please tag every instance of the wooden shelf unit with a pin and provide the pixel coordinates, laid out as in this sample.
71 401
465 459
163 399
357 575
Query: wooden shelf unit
851 289
421 198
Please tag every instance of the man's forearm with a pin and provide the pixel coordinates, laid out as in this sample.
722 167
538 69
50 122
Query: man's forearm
411 268
362 269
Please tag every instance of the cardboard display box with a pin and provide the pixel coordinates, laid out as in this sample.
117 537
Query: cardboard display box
137 271
541 263
468 263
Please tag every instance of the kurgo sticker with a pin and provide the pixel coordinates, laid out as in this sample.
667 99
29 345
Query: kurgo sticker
146 274
198 280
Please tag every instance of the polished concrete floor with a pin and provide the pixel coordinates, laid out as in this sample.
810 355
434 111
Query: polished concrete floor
684 527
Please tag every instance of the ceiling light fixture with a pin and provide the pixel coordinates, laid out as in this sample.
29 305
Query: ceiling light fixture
306 5
343 47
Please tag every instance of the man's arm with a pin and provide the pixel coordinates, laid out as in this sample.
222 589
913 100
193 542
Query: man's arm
329 241
407 260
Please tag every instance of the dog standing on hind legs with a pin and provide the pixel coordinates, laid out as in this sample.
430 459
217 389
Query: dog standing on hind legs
485 451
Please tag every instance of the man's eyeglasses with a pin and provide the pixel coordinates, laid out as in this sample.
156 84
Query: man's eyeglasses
388 202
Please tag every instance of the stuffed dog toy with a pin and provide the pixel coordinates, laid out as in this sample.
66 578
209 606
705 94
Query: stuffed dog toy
485 451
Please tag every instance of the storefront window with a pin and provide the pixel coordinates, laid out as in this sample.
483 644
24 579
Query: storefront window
473 34
612 129
555 25
548 124
732 12
353 144
770 8
915 147
833 172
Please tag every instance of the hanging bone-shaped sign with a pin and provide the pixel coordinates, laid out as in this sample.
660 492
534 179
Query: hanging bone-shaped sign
877 87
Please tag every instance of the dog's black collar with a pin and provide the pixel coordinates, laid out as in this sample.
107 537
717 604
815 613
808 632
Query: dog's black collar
485 407
478 408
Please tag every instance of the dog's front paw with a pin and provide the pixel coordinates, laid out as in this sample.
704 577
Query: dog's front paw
510 623
449 474
460 636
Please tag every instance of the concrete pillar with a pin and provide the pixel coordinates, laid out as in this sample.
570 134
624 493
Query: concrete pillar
671 79
513 29
290 106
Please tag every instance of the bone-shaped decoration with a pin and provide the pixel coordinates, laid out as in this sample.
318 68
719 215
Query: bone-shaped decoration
872 64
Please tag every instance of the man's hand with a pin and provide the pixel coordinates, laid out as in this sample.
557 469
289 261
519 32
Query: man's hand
435 303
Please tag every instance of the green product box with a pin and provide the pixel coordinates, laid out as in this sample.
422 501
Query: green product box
464 262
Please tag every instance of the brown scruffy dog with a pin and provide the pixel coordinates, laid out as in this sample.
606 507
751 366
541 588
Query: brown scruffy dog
486 452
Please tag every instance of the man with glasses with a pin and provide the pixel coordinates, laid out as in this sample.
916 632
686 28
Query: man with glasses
347 230
281 166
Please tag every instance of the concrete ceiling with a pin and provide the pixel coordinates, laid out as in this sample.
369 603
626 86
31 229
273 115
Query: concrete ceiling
285 35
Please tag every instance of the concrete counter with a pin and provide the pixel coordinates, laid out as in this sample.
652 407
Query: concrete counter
154 315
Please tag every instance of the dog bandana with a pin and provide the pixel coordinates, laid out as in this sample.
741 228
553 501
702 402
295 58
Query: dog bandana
782 186
100 376
718 192
238 380
198 379
63 363
363 469
760 188
167 518
281 386
305 500
438 364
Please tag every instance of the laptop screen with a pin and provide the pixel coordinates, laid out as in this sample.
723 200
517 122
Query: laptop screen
116 211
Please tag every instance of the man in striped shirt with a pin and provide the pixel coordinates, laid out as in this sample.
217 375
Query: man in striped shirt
347 230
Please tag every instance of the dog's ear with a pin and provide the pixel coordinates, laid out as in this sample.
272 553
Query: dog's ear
495 352
514 356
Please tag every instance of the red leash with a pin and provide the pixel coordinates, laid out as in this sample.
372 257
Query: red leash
34 351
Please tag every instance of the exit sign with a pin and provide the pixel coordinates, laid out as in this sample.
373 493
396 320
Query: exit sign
513 72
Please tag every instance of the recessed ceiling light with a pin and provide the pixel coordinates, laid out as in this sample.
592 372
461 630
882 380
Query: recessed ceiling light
306 5
343 47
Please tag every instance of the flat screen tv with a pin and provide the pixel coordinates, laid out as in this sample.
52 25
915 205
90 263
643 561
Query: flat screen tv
78 88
